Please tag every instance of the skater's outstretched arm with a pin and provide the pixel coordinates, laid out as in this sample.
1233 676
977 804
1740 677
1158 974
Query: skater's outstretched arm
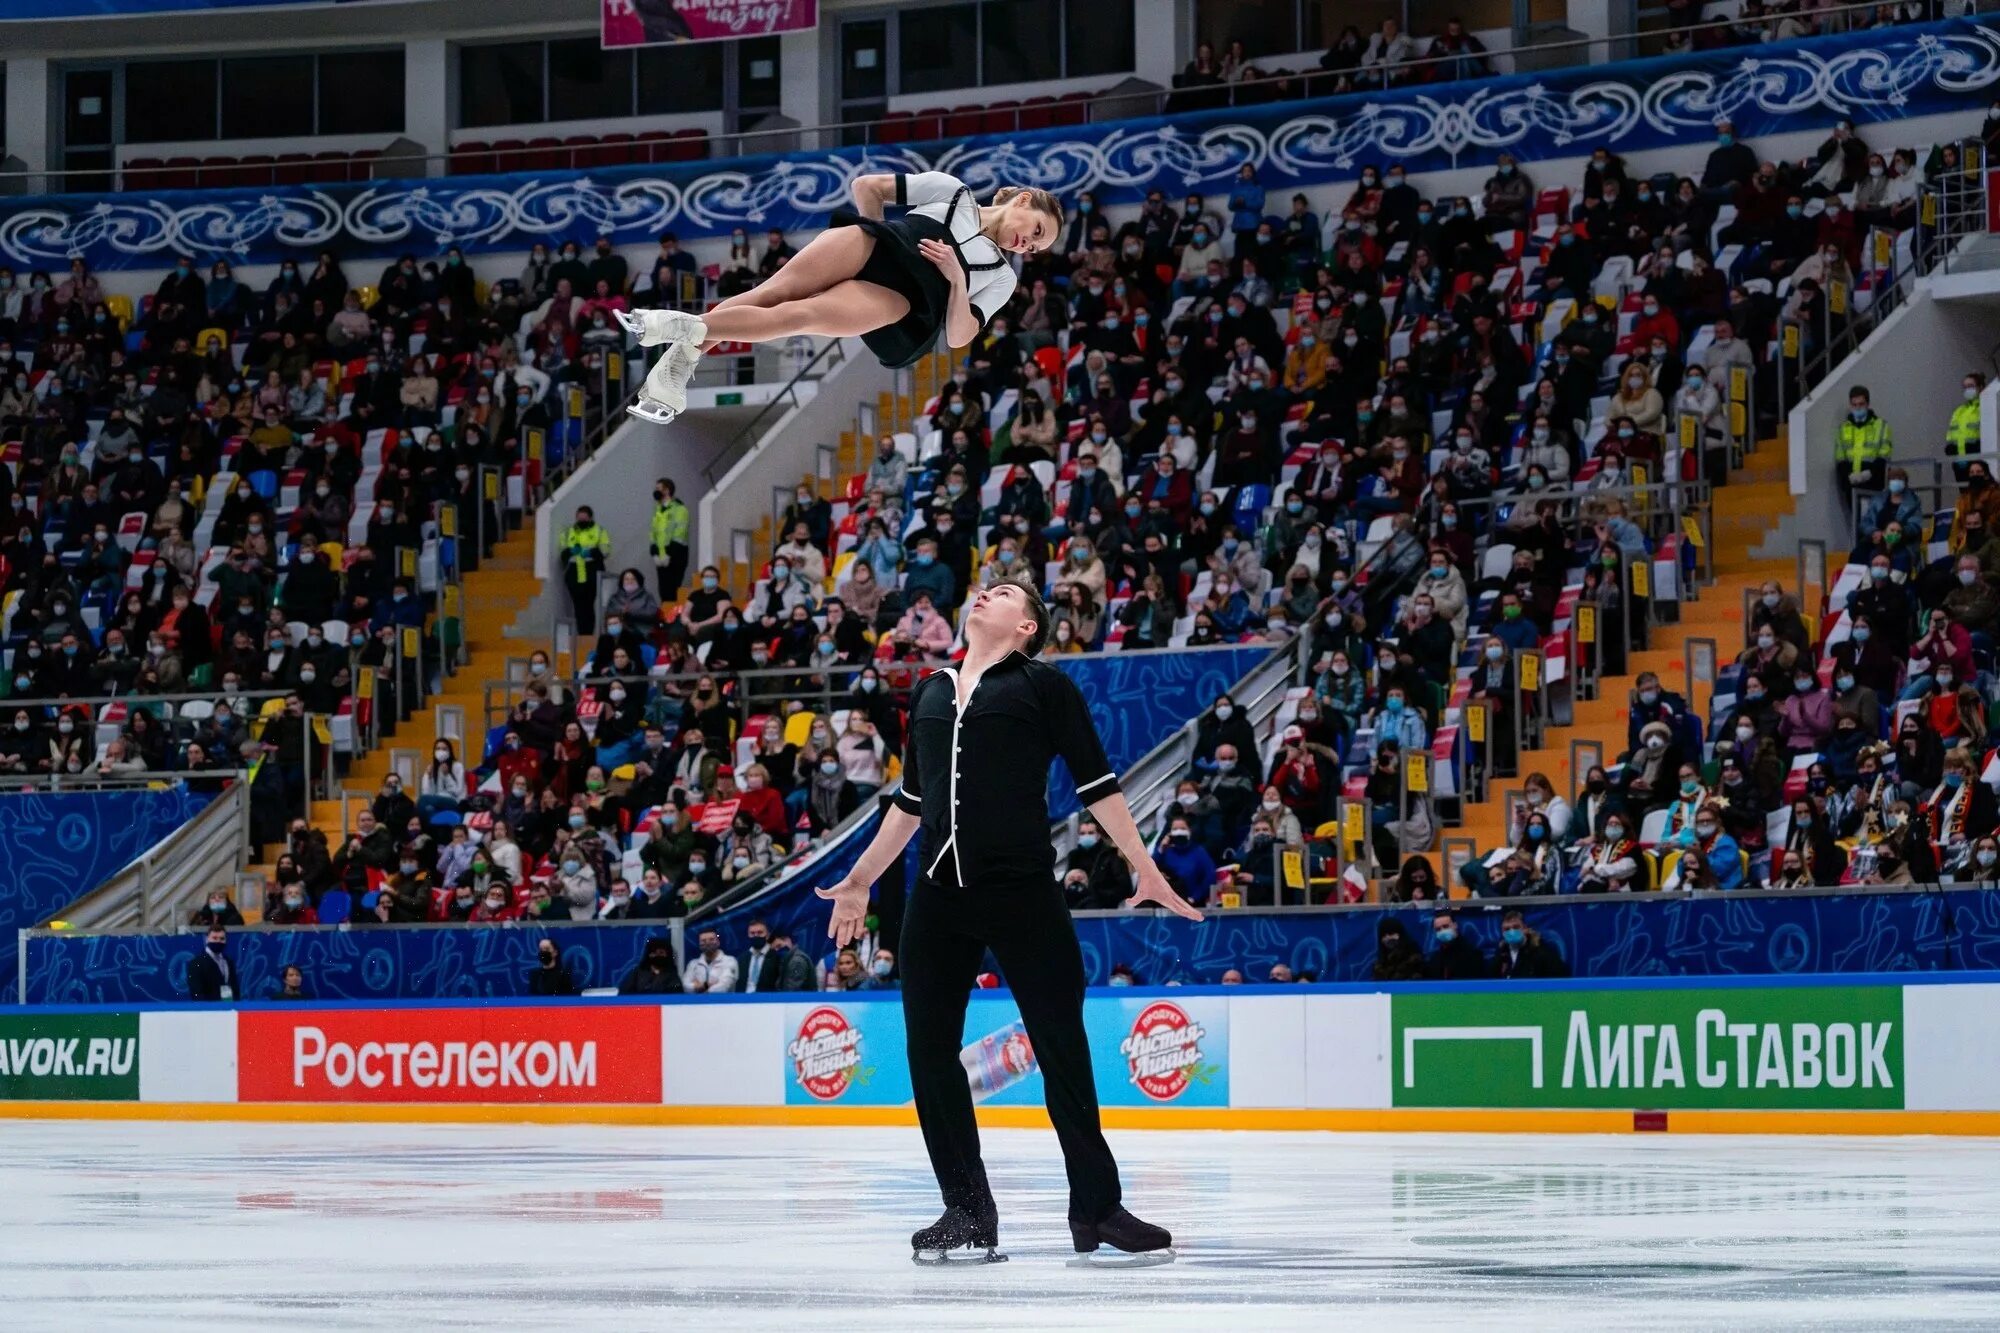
1114 816
850 895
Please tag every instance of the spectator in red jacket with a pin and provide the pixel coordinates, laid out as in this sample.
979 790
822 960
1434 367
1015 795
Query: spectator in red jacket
761 802
292 907
1655 321
1169 486
519 760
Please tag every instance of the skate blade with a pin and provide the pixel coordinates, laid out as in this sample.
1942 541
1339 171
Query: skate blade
948 1258
1108 1258
657 413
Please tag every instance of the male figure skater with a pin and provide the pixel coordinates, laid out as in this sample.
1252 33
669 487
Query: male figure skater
983 735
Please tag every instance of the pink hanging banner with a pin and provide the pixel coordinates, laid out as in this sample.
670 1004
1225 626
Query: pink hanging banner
658 22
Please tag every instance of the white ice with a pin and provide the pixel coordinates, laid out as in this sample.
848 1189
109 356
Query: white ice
335 1226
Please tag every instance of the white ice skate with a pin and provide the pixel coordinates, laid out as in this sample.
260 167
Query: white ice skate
664 395
653 327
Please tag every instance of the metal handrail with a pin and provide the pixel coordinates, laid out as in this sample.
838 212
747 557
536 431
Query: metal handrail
1376 78
1934 255
787 397
192 857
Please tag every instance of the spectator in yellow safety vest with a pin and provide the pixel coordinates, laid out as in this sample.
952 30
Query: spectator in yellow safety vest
1861 450
1961 436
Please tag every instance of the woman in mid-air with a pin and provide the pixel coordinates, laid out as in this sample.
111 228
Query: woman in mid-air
941 267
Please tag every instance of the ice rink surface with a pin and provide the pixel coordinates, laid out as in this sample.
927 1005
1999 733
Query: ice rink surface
221 1225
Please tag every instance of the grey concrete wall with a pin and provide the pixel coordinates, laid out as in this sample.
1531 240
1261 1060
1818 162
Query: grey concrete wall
1912 368
617 483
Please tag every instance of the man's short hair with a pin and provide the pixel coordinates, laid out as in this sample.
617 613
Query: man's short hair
1037 609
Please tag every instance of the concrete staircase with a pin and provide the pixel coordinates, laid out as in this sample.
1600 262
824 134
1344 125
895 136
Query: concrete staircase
494 594
1753 502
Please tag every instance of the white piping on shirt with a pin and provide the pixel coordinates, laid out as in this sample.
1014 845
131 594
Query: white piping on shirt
1094 782
951 811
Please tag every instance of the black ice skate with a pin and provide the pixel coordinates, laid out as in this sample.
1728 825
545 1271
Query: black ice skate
959 1237
1141 1243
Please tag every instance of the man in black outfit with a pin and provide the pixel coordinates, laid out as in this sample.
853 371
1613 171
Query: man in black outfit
210 974
983 735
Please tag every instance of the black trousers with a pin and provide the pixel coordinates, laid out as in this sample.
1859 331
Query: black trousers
946 932
582 603
673 573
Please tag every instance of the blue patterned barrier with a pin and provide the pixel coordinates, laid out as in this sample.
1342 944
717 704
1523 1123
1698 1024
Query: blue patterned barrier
380 963
1642 937
54 848
1138 700
1886 74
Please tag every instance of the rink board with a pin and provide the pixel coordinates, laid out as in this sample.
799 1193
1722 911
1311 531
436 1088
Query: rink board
1806 1055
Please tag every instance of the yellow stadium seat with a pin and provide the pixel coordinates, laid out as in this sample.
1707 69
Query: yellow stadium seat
120 306
841 563
218 337
367 293
479 290
798 727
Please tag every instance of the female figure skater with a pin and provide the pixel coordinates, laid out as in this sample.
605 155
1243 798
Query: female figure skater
943 266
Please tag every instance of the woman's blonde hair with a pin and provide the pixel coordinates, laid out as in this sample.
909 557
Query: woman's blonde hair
1038 199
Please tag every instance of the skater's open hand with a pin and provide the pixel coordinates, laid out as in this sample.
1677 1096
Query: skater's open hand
944 257
850 910
1153 888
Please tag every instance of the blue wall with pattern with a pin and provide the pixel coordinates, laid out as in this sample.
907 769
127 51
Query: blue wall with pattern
1876 75
1654 936
54 848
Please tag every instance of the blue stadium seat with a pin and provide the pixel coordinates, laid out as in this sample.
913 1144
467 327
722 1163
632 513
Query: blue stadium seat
335 907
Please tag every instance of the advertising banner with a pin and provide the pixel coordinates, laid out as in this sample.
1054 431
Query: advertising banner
69 1057
845 1053
565 1054
1791 1048
1144 1052
659 22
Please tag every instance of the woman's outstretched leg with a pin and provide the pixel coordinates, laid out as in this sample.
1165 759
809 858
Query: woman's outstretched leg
841 311
848 308
831 257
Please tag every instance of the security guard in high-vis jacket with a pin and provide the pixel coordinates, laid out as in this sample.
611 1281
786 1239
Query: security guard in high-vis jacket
1961 437
1862 451
586 548
670 540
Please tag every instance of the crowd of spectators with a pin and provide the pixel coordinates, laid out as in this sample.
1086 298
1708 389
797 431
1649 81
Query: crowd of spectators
1205 421
1206 424
1226 73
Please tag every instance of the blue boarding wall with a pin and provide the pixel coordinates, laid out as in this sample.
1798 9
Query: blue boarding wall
56 847
1802 85
1834 934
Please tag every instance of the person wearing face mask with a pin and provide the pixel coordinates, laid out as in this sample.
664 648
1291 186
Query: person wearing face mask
1225 724
1956 813
290 907
211 973
1522 954
1397 958
1863 446
218 910
1805 717
575 886
831 797
655 973
1649 771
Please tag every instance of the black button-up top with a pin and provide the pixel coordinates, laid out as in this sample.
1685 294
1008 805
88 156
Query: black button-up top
978 777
